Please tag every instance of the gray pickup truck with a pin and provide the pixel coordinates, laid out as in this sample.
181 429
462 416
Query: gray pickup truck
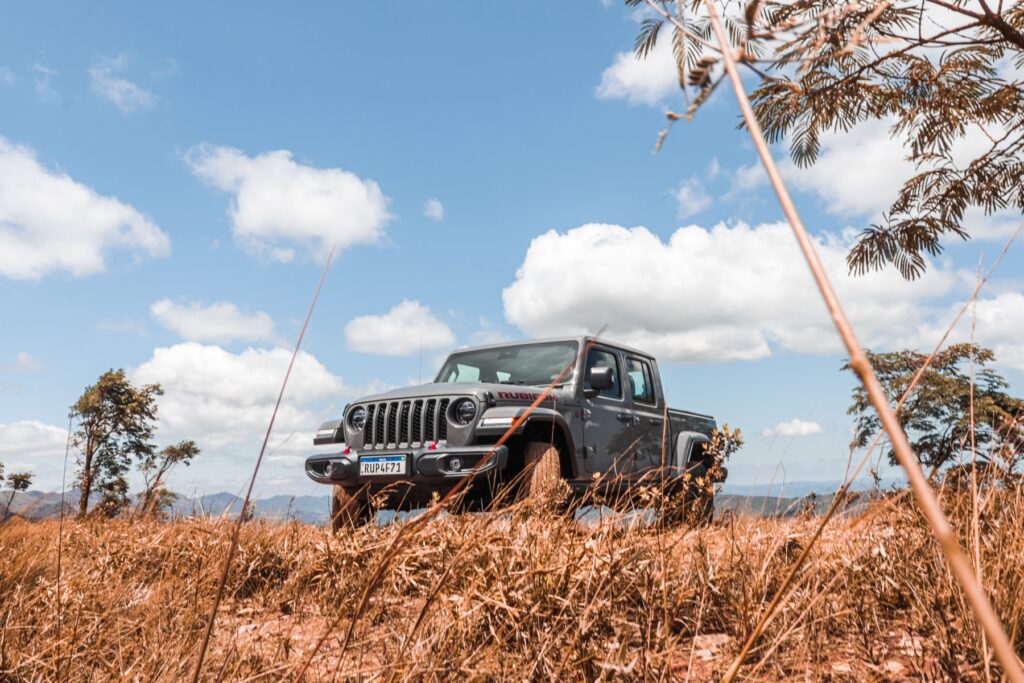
604 429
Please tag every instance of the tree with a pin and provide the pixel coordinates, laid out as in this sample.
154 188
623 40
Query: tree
155 466
115 423
937 415
19 481
939 71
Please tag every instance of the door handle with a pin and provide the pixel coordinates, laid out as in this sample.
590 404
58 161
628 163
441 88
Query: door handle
625 417
655 420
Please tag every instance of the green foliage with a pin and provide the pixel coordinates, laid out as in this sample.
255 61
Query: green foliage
19 481
115 422
724 443
937 414
154 467
938 70
16 482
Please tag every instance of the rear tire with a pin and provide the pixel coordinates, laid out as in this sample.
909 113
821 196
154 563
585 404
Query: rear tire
347 511
543 473
702 509
694 505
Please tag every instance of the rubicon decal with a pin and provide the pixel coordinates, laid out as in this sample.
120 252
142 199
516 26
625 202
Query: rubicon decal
523 396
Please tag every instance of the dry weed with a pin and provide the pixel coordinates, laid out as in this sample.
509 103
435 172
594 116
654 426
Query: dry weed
515 595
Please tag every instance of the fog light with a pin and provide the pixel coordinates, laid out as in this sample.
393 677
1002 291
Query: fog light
455 464
337 469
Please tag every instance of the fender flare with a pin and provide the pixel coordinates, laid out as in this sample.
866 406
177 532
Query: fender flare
686 444
543 417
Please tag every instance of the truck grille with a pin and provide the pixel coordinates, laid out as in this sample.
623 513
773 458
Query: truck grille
405 424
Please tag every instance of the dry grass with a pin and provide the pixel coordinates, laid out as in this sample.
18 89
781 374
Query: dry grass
519 595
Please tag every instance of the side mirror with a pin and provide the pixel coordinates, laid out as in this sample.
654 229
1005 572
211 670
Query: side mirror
598 379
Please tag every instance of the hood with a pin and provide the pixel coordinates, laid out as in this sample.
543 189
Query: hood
501 392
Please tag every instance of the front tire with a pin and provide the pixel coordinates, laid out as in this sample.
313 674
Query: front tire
543 473
347 511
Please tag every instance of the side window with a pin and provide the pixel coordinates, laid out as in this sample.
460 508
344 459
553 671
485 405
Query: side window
598 358
641 385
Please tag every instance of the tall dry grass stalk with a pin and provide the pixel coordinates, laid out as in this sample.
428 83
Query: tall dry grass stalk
523 594
244 509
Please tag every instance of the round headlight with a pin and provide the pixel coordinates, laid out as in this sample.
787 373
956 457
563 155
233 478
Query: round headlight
357 418
465 411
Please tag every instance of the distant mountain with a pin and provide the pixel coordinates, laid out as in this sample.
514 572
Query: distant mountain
213 505
799 489
316 509
309 509
771 506
39 505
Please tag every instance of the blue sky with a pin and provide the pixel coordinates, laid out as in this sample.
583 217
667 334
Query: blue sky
171 176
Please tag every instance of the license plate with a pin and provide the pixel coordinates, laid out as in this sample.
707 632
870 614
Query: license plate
377 465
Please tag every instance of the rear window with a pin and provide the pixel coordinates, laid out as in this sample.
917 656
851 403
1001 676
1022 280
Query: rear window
641 384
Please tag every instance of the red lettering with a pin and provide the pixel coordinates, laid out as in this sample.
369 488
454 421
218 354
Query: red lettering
522 396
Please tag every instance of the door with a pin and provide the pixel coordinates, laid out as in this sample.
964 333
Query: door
648 415
607 423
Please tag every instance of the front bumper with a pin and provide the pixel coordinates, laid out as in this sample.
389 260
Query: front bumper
423 465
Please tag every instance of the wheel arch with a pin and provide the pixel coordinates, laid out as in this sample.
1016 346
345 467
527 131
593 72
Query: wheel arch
552 428
689 448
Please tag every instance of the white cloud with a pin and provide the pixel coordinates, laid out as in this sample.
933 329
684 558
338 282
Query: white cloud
641 81
691 198
996 226
714 168
489 332
707 294
794 427
220 398
24 362
218 322
50 222
279 203
31 439
859 172
44 88
108 83
7 76
434 209
999 326
402 331
747 178
30 445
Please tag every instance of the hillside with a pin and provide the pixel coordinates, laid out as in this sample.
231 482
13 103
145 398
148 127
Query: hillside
761 500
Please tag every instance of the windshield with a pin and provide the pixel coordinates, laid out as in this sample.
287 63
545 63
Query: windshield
537 364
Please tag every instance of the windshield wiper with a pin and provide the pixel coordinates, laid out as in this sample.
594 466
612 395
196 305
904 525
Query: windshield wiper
511 381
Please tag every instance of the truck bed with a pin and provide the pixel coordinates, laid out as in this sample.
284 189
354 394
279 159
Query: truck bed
686 421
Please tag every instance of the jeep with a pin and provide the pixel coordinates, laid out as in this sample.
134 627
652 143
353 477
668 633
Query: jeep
600 425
